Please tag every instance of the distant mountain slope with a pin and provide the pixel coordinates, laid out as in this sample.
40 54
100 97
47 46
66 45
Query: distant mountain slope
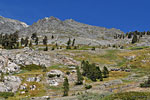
10 26
62 30
69 27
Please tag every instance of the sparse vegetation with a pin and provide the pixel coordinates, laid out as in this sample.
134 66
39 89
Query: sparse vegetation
66 87
146 83
31 67
6 94
88 86
129 96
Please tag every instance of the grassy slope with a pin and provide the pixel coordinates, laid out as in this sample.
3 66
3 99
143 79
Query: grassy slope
108 57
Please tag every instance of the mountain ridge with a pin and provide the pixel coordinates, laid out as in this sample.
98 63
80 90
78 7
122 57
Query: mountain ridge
8 25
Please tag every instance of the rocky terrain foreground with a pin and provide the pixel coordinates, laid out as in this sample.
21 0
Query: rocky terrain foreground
36 84
34 72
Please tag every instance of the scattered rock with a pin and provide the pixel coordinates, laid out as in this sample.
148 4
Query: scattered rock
40 98
54 77
10 84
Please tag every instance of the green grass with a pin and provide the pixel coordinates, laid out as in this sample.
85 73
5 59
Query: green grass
122 63
6 94
58 67
31 67
21 72
54 87
129 96
107 57
111 54
137 48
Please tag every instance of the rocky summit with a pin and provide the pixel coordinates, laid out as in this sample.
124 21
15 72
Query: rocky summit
10 26
62 30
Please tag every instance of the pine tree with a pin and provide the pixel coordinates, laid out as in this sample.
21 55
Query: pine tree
134 39
129 35
105 72
30 44
52 37
66 87
53 48
99 74
79 76
93 48
45 40
46 48
26 41
68 44
73 42
22 41
37 41
34 35
17 45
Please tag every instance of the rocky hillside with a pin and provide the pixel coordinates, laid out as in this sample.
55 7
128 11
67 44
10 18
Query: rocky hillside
10 26
69 28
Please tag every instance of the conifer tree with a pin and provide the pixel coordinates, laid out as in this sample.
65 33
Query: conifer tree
79 76
37 41
34 35
66 87
46 48
30 44
93 48
26 41
22 41
68 44
52 37
129 35
17 45
73 42
99 73
45 40
105 72
134 39
53 48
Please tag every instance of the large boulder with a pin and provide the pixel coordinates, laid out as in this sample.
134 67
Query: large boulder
55 77
10 84
7 66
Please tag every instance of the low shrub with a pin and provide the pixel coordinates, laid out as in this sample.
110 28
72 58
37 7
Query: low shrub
68 73
146 83
88 86
51 75
6 94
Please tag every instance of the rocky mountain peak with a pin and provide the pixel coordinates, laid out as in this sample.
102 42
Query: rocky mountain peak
10 26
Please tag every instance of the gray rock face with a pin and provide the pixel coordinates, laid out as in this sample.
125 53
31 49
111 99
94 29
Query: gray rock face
111 83
84 34
27 57
66 60
10 84
10 26
40 98
33 79
7 66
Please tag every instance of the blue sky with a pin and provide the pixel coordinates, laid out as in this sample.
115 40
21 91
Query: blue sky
126 15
